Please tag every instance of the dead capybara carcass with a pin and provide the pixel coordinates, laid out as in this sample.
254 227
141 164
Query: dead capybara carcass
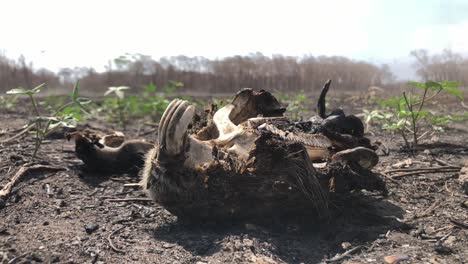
248 160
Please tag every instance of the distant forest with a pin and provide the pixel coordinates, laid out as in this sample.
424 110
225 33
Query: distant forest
201 75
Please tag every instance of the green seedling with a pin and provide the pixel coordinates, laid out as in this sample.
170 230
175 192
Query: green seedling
120 104
149 101
407 110
62 116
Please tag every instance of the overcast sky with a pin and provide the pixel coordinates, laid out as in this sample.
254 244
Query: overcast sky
60 33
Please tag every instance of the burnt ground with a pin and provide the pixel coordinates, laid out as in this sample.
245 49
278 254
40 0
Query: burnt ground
74 216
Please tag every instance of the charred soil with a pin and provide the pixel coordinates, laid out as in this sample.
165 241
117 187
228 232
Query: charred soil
75 216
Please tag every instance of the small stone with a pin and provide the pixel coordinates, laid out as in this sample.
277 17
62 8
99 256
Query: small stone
248 242
345 245
91 228
450 241
436 260
237 245
262 260
228 247
167 245
394 259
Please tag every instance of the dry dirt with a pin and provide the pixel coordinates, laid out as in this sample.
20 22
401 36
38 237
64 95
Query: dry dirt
73 216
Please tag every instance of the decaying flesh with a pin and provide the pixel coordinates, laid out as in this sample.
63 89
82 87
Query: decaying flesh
111 153
250 160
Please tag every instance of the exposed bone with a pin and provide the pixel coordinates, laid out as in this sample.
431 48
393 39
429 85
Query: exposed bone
200 153
365 157
317 146
255 122
176 136
165 119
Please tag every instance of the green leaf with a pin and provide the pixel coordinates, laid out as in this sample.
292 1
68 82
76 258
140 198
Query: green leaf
26 91
449 84
176 83
417 84
149 88
454 91
38 88
433 85
82 100
82 107
19 91
427 85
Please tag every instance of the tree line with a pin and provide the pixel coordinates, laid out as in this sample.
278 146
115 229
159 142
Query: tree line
226 75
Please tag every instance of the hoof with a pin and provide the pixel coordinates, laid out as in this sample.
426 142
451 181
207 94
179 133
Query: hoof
173 127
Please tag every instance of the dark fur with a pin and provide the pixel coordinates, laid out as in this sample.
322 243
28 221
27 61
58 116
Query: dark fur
126 158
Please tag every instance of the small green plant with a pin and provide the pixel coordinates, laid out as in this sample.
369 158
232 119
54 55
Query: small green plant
407 110
63 116
376 114
150 102
153 102
118 103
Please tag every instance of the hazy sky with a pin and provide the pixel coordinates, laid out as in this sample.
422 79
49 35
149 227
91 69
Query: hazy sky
60 33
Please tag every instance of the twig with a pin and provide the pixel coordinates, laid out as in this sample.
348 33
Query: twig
445 163
425 134
118 179
342 256
6 190
414 116
111 244
444 237
422 169
24 131
133 184
134 199
443 228
429 209
13 260
389 178
458 223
